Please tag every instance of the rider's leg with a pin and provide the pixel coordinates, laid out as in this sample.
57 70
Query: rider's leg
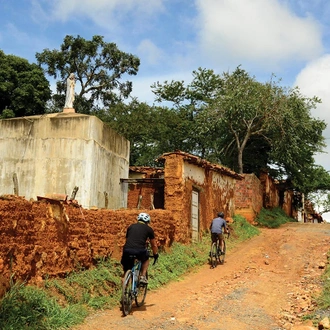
144 267
221 245
212 240
221 242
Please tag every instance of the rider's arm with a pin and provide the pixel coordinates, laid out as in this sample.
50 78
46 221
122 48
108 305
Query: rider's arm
154 246
226 228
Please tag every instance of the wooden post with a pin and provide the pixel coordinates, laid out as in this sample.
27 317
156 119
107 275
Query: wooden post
139 202
15 184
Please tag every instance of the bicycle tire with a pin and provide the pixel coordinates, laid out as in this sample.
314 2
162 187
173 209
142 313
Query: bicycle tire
214 255
127 294
223 254
141 293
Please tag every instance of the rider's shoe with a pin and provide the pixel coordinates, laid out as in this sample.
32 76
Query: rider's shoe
143 280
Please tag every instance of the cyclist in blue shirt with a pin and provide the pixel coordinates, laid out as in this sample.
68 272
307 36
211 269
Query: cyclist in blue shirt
218 227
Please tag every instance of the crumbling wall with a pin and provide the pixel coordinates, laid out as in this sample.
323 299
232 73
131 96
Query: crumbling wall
141 196
287 203
248 197
215 185
45 238
271 197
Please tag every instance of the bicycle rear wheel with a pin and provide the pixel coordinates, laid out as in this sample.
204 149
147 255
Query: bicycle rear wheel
141 292
214 255
222 255
127 294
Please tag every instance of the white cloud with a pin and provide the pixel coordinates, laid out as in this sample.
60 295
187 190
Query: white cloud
150 52
106 13
314 80
262 31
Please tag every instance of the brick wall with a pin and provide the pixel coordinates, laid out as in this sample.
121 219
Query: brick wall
248 197
41 239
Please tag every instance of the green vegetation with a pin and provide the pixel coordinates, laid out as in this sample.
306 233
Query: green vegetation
27 307
323 301
61 303
241 230
272 218
100 69
24 89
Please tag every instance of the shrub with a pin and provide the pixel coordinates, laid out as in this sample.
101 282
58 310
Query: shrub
272 218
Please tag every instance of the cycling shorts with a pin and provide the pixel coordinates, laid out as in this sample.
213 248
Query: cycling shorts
128 261
215 236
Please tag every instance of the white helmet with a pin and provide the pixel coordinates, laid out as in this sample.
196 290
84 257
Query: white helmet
145 217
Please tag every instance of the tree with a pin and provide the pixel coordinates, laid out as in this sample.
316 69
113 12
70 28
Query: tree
189 104
99 68
151 130
250 126
24 89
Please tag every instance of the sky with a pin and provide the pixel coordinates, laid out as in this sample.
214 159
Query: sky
172 38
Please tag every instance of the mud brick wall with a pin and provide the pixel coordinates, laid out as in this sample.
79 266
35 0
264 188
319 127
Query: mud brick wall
270 191
140 195
39 239
248 197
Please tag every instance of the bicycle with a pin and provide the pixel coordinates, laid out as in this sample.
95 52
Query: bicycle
216 256
132 289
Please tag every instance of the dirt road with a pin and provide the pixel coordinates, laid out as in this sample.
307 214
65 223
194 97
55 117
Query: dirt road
266 283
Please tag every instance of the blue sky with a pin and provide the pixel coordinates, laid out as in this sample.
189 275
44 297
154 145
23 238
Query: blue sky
289 38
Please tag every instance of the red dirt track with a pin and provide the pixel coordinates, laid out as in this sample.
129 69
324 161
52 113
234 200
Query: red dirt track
266 283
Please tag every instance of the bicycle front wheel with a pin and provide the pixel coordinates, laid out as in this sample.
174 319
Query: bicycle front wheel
222 255
141 292
214 255
127 294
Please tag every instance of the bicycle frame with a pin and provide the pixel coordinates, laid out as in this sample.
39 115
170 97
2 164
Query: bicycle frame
136 269
132 289
215 253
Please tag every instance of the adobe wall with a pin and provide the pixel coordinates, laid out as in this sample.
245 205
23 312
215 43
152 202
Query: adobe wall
271 197
287 204
41 239
248 197
140 196
54 153
216 193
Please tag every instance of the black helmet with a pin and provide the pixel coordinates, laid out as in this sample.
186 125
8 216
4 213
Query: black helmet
221 214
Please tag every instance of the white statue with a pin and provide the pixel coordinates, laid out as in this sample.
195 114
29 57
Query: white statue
70 85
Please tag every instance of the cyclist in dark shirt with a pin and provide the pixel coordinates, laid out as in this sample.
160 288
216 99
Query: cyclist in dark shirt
216 229
137 236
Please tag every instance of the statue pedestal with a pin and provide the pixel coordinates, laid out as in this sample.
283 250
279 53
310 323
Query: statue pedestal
69 110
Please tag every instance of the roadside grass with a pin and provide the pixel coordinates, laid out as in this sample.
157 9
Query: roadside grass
321 300
64 302
28 307
273 218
